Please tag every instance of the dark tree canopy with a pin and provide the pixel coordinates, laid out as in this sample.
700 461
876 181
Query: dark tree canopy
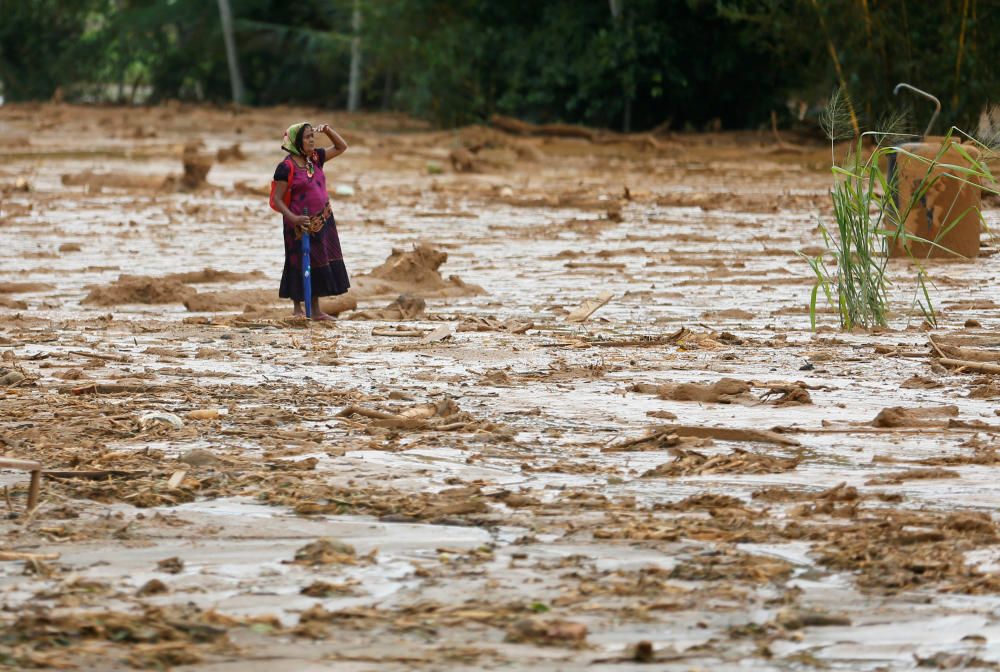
683 62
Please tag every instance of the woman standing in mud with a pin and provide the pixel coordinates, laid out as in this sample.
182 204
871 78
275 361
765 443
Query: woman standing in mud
299 194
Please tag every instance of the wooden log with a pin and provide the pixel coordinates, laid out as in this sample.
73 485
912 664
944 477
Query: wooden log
23 465
10 556
109 388
94 474
866 429
730 434
969 354
34 487
979 367
98 355
518 127
512 125
367 413
399 333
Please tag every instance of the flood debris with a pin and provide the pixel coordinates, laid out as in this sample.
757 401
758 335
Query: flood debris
657 440
441 333
206 413
548 632
899 549
152 587
895 478
694 463
512 326
155 637
326 552
723 391
326 589
797 618
729 434
442 416
11 376
589 307
22 556
404 307
695 460
172 565
162 418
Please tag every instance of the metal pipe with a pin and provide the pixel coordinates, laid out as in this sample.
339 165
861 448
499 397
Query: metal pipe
937 103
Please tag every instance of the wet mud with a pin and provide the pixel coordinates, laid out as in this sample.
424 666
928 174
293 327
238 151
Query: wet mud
571 414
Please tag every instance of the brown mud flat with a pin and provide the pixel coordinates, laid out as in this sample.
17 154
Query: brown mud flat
572 415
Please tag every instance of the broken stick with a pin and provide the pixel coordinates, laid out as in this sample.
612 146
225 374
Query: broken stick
10 556
34 486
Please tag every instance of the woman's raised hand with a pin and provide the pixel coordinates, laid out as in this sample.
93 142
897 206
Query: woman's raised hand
323 128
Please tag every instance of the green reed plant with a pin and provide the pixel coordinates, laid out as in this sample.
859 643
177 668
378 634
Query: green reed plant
852 271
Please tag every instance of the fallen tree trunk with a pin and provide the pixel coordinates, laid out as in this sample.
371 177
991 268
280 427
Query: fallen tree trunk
518 127
980 367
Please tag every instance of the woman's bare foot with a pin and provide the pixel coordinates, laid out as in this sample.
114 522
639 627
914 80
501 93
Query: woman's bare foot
318 314
297 310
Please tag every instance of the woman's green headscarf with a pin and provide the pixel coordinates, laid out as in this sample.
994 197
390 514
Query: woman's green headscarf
291 137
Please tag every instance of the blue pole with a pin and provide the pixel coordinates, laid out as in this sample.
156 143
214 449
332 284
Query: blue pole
307 270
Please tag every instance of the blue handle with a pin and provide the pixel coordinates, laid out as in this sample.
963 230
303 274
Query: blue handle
307 274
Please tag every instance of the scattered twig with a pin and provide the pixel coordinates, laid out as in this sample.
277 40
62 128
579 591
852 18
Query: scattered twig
97 355
9 556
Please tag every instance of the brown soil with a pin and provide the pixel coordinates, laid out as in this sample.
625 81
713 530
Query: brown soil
139 289
898 416
413 272
461 479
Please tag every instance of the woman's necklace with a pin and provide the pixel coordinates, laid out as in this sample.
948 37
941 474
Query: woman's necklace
310 168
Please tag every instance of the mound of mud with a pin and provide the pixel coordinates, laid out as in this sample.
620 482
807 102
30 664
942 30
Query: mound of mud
900 416
174 288
482 145
232 153
331 305
405 307
13 304
21 287
418 267
207 275
196 167
95 182
413 272
139 289
207 302
258 303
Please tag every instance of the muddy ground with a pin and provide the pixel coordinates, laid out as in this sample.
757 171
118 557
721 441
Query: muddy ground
466 470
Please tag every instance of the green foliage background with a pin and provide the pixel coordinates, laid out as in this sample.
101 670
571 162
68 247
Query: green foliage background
682 62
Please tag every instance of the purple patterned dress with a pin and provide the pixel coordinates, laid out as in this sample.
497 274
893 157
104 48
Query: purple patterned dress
329 275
